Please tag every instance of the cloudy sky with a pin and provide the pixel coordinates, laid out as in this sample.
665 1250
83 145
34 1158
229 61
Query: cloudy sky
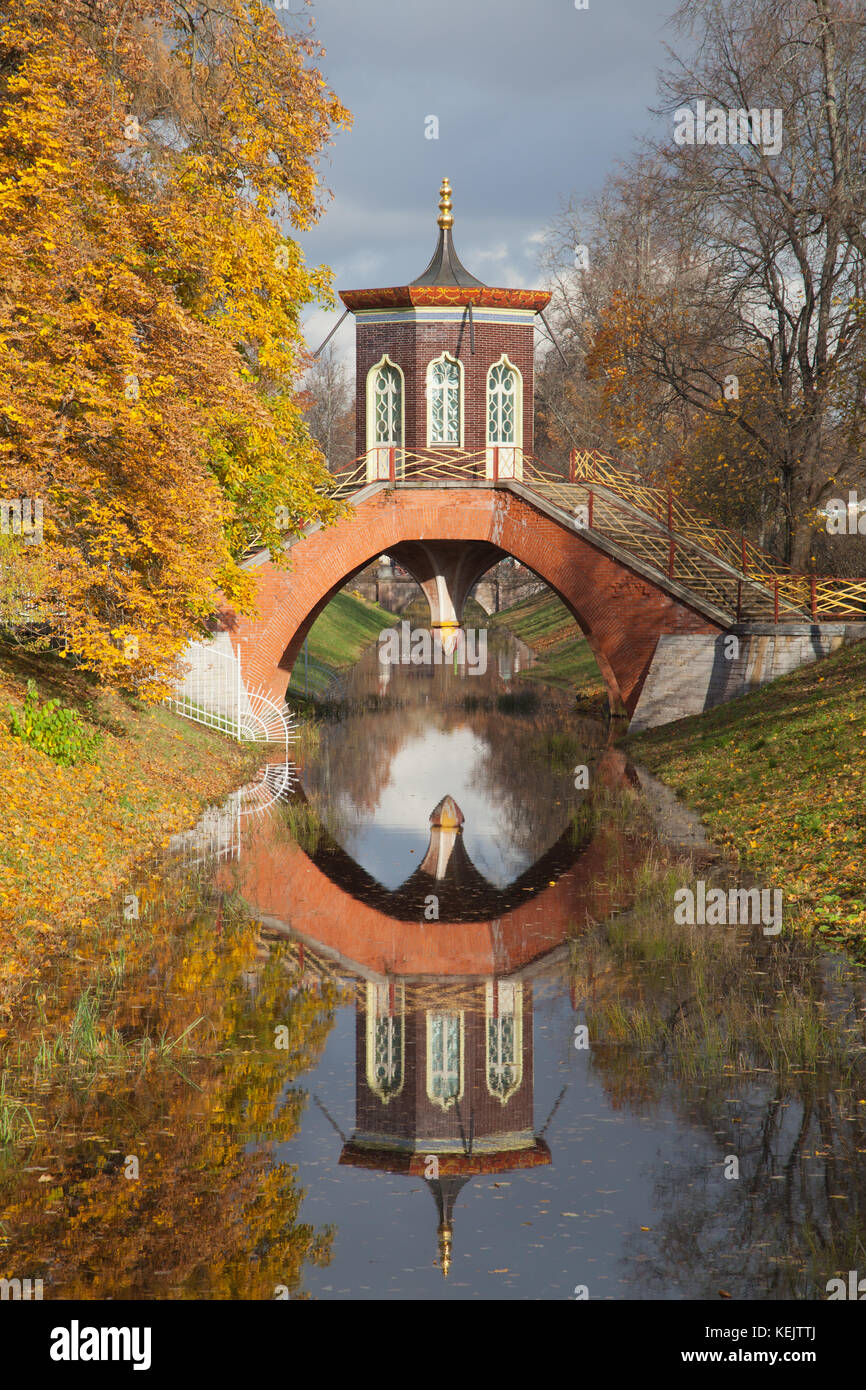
536 101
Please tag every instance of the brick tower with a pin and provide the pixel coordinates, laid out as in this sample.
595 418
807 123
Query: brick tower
445 368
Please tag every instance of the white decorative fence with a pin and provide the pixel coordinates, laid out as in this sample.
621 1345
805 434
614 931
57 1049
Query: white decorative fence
213 693
217 835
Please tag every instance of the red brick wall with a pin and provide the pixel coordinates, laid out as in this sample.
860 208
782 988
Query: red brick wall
413 346
412 1114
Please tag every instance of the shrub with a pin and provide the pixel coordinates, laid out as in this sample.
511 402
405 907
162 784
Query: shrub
60 733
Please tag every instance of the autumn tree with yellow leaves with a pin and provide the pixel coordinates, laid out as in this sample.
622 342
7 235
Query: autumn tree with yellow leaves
150 156
708 450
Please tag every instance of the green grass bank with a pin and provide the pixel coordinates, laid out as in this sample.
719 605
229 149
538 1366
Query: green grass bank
563 656
335 641
779 779
73 834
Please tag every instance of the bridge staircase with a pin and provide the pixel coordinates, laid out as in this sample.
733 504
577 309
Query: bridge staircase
725 576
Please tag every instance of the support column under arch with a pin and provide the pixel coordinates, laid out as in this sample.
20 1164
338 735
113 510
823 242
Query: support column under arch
446 572
620 611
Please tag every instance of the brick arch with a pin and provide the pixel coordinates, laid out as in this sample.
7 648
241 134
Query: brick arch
294 892
621 613
290 891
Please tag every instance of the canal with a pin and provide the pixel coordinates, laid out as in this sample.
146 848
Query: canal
426 1026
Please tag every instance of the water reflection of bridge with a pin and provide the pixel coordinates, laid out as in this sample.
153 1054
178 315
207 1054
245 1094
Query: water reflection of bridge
444 1009
332 904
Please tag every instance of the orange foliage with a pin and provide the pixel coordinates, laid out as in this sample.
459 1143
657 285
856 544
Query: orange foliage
149 315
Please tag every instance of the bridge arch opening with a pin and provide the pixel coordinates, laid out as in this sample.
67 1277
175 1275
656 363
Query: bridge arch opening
447 538
445 573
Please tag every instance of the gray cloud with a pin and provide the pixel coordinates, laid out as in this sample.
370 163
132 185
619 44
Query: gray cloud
536 101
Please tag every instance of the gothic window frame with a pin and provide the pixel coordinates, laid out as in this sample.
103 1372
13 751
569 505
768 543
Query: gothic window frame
431 389
377 996
446 1102
377 449
504 362
494 1023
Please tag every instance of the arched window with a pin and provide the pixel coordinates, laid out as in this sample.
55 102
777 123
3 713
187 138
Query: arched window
444 1058
386 1018
444 403
504 420
504 1029
384 418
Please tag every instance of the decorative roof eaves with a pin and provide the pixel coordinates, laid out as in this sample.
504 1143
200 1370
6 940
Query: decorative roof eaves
450 1164
446 296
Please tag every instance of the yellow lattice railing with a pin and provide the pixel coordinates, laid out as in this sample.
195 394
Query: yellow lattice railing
665 507
811 595
727 572
390 463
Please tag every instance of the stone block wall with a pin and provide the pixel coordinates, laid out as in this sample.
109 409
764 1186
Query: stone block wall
693 672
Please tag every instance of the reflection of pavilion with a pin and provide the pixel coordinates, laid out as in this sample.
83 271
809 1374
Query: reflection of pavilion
462 891
444 1046
443 1085
443 1070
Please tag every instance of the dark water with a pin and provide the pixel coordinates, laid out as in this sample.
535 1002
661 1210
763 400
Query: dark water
357 1056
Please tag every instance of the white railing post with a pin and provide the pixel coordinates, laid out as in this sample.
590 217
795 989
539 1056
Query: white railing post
240 687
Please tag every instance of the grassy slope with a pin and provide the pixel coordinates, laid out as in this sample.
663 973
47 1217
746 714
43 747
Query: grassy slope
336 640
72 835
564 656
780 778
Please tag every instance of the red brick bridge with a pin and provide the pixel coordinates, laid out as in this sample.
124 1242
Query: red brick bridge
631 565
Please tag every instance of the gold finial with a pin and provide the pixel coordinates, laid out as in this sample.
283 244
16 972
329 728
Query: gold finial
445 1249
446 217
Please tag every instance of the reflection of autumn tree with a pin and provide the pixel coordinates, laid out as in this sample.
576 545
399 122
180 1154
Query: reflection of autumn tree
534 782
357 766
212 1206
519 769
354 768
801 1196
752 1044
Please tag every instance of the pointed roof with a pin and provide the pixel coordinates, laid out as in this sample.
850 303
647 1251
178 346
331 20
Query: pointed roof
446 282
445 1192
447 814
446 267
